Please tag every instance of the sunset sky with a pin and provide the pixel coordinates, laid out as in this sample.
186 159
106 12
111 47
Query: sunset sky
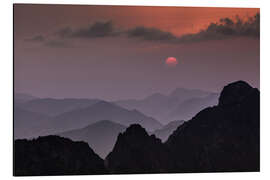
119 52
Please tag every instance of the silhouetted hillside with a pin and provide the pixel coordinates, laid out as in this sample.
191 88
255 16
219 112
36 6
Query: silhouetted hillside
101 136
53 155
221 138
137 152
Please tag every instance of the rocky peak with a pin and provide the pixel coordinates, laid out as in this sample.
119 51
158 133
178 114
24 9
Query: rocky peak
135 133
135 129
234 93
135 151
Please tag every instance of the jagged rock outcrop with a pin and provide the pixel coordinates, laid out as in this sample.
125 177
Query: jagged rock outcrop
54 155
221 138
137 152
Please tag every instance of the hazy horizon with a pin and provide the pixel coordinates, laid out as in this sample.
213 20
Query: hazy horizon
86 97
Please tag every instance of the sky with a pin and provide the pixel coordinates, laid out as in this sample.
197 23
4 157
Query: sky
119 52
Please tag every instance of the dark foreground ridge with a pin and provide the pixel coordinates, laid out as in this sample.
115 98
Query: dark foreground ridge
223 138
54 155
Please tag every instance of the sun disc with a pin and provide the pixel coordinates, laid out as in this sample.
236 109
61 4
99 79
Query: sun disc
171 61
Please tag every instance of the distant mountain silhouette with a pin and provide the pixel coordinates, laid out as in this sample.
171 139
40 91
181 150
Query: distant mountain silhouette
101 136
183 94
53 155
23 97
165 107
36 117
222 138
137 152
103 110
53 107
28 124
155 105
189 108
167 130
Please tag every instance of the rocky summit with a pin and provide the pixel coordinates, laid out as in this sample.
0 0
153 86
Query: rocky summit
222 138
137 152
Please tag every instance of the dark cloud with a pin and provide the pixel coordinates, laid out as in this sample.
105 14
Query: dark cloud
57 44
65 32
227 28
152 34
37 38
98 29
105 29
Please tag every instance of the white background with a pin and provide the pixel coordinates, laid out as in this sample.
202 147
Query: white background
6 87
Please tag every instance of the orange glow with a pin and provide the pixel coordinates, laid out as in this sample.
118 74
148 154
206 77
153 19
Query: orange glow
178 20
183 20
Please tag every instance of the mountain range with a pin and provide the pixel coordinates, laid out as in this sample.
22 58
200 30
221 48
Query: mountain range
222 138
180 104
44 124
103 110
50 116
102 135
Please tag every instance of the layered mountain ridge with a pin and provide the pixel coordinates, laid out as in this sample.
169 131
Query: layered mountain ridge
222 138
81 116
180 104
103 111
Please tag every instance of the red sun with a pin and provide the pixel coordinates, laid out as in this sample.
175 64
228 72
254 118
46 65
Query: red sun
171 61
